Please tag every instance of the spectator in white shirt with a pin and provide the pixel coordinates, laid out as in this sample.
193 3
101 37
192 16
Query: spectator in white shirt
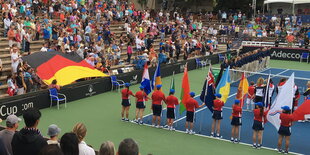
80 130
44 48
7 24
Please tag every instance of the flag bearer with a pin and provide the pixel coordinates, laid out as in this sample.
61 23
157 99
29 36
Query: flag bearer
157 98
236 121
191 105
217 115
171 102
141 97
258 125
285 129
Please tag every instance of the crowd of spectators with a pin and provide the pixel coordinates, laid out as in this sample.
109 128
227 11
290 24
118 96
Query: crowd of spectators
87 28
29 140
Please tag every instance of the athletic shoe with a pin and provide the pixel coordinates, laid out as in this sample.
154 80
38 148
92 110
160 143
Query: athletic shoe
218 136
279 150
166 126
141 122
254 146
285 152
232 139
126 119
153 125
259 146
160 127
172 129
157 126
191 132
212 134
236 141
187 131
123 119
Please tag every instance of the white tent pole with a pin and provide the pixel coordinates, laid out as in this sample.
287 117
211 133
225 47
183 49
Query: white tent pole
293 8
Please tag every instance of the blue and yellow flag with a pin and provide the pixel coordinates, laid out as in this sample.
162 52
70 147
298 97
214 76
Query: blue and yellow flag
157 77
223 87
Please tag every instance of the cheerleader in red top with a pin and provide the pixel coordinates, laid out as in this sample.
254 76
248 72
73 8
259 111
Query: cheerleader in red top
141 97
236 121
285 129
125 101
258 125
217 115
171 102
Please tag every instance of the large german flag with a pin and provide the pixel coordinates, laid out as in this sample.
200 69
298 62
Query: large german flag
65 68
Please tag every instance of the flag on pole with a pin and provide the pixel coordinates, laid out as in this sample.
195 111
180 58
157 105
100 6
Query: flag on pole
284 98
266 95
146 82
242 89
207 93
223 87
157 77
302 111
184 91
172 83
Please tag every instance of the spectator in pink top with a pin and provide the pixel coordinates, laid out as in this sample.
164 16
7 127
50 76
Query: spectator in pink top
54 85
129 52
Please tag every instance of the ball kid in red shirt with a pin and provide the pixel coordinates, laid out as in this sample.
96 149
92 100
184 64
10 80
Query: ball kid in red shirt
217 115
126 101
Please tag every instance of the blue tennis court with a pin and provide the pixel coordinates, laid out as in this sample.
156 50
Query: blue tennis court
300 138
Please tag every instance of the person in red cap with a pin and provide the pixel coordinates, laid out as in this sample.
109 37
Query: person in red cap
217 115
236 121
141 97
285 129
258 125
191 105
126 101
157 98
171 102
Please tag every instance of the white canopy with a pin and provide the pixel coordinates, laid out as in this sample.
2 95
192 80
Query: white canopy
287 1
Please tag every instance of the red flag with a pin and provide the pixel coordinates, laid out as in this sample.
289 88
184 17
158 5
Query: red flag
185 90
301 111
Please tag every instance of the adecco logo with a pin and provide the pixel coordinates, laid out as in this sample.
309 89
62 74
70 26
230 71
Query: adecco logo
288 55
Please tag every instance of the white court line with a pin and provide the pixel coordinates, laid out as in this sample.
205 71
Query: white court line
225 140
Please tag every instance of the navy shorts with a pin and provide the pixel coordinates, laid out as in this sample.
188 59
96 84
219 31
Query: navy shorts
54 36
257 125
156 109
126 103
236 121
258 99
284 131
170 113
217 115
140 105
189 116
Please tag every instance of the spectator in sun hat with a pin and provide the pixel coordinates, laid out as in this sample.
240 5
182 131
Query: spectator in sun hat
285 129
126 101
53 132
191 105
6 135
217 115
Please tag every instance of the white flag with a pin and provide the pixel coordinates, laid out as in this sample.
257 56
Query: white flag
284 98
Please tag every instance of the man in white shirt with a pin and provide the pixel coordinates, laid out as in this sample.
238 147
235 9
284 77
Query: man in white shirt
7 24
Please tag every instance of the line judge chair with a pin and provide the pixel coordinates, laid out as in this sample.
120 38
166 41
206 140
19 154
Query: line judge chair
116 83
304 56
58 97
